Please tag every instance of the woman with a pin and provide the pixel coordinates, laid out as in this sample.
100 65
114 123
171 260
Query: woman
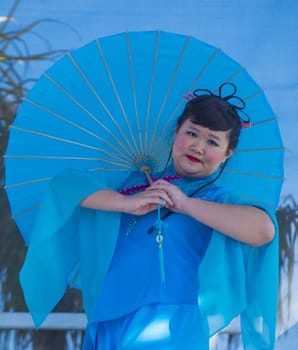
145 256
206 136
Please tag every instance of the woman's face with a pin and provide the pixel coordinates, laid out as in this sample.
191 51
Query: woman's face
198 151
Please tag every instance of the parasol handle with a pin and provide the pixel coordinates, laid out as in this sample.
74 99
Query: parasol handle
147 171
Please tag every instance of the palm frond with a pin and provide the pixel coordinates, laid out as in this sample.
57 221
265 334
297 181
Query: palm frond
287 216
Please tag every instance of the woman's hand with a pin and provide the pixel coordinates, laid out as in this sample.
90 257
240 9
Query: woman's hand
146 201
137 204
177 197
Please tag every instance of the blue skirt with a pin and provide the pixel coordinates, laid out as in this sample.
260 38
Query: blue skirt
152 327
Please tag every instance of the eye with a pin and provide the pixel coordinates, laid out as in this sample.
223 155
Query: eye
213 143
191 133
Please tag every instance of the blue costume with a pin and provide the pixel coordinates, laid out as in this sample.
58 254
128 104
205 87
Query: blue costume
208 276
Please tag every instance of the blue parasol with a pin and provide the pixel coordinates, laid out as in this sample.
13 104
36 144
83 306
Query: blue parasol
113 104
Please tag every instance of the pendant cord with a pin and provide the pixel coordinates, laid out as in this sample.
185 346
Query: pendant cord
159 225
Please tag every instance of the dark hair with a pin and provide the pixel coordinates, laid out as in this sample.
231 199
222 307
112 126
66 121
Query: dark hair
212 112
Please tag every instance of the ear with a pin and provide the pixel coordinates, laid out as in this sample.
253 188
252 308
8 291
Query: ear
229 153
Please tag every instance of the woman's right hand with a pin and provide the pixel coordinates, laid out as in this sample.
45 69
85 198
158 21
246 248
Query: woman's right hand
137 204
145 202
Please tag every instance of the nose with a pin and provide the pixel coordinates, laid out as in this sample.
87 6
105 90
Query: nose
197 147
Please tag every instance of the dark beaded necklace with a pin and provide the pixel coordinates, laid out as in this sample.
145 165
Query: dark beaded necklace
138 188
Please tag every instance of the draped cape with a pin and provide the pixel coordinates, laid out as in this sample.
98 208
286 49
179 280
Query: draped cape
73 246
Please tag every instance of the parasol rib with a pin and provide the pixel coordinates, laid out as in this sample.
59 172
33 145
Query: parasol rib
86 110
29 182
233 76
134 92
230 78
116 167
63 140
54 137
151 88
258 92
255 200
136 151
201 73
264 121
59 116
260 149
26 211
170 87
124 165
278 178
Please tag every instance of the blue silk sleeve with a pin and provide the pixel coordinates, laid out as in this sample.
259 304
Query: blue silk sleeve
238 279
69 242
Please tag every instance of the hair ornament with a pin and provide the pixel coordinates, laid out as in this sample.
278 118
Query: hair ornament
189 96
235 102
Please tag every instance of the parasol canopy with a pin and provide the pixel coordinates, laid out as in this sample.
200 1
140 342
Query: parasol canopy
113 104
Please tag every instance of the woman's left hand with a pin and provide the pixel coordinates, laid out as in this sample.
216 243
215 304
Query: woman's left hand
175 194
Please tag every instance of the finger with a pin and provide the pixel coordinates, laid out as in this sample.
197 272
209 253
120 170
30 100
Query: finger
162 192
160 182
155 201
161 196
166 197
157 187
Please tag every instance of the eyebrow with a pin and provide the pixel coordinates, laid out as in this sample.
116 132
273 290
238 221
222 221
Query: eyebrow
214 136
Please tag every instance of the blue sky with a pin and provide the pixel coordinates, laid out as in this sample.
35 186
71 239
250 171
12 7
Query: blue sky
260 34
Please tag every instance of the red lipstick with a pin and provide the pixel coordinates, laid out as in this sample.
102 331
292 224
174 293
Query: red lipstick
193 159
